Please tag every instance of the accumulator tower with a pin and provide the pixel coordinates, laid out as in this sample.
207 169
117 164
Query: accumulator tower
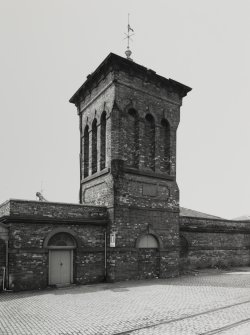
128 121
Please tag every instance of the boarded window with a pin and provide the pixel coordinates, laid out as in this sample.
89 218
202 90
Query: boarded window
103 141
165 147
86 152
132 130
94 146
149 142
147 241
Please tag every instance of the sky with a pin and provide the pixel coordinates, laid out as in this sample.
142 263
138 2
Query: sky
49 47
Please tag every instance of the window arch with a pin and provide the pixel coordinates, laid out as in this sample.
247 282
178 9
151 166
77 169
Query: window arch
94 146
132 138
165 146
147 241
86 152
61 239
103 141
184 248
149 142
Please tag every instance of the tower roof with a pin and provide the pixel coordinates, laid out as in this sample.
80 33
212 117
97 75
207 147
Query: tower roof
114 62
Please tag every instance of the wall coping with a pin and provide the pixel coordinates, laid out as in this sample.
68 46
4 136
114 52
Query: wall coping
49 202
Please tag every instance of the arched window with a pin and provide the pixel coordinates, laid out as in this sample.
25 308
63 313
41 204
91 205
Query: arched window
165 147
61 240
132 138
147 241
103 141
86 152
94 146
183 246
149 142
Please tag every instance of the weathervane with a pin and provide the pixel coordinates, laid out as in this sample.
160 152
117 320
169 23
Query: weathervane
128 52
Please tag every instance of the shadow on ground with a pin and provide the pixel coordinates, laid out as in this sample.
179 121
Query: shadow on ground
234 278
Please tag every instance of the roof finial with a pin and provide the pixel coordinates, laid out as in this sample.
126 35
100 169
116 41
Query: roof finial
128 52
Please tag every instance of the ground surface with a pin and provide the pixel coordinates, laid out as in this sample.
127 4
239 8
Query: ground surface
211 302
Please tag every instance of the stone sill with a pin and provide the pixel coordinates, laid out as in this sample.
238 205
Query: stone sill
149 174
95 175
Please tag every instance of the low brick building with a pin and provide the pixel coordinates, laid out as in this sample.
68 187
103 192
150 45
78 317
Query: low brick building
127 224
52 243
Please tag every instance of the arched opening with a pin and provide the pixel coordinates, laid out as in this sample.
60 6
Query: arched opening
148 256
94 146
61 246
62 240
149 142
86 152
132 138
103 141
147 241
183 247
165 147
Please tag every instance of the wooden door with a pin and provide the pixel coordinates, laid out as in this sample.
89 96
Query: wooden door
60 267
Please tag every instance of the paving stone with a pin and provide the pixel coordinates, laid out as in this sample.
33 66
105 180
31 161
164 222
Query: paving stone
185 305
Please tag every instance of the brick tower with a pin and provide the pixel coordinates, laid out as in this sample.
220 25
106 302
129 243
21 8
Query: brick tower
128 121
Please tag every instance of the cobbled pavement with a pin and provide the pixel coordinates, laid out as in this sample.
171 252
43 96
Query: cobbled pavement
208 302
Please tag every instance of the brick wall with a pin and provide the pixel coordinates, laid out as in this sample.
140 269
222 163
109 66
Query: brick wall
53 210
214 243
28 259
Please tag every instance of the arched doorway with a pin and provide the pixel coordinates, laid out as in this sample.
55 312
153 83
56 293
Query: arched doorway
148 256
61 246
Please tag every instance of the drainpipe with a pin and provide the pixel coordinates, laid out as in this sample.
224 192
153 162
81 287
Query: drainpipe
6 268
5 237
105 254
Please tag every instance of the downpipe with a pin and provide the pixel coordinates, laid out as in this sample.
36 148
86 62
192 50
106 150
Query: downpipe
6 269
105 254
4 289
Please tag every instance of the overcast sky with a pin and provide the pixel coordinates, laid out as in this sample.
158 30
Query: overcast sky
49 47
